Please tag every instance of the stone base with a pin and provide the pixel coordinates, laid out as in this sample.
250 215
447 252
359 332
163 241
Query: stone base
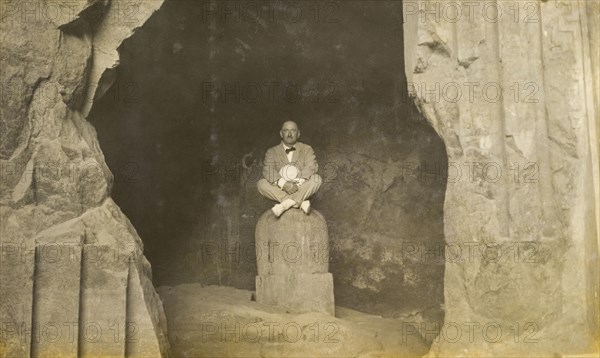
299 293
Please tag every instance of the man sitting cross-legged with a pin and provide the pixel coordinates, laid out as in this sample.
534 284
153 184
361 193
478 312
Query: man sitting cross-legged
290 172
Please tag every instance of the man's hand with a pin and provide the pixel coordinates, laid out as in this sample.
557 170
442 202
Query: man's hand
289 187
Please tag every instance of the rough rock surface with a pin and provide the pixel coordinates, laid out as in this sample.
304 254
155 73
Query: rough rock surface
217 321
385 220
525 201
74 280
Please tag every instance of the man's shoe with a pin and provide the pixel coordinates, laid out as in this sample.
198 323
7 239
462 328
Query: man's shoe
305 206
277 210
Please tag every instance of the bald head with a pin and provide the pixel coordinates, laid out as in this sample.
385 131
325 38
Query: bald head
289 124
289 133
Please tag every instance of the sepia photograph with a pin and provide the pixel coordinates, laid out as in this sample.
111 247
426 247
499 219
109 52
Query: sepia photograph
299 178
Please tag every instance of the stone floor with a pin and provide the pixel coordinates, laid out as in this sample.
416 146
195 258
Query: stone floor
217 321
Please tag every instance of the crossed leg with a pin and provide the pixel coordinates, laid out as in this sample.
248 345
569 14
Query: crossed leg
305 191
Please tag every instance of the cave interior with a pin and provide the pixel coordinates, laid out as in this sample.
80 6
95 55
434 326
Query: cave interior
202 90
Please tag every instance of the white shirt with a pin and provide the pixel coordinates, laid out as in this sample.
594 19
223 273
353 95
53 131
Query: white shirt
281 181
289 154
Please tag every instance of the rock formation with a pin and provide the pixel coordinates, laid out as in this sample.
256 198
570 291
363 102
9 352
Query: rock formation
522 200
292 254
74 278
511 98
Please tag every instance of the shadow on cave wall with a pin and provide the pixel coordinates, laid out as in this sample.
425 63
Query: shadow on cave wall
202 91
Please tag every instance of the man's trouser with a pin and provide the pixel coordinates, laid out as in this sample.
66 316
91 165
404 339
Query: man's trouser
305 191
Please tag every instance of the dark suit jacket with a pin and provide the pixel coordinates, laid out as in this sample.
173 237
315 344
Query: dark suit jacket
303 158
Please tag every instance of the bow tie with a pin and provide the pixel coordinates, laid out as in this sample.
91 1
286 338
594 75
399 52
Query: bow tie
288 150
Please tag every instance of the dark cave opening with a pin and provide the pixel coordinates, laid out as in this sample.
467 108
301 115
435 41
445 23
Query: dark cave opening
201 93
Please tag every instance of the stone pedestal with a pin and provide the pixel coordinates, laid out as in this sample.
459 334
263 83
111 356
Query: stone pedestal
292 254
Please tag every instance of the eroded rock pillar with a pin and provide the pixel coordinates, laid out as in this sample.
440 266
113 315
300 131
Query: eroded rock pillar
508 87
74 278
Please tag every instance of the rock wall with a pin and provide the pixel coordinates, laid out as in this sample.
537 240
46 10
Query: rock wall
74 279
508 88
